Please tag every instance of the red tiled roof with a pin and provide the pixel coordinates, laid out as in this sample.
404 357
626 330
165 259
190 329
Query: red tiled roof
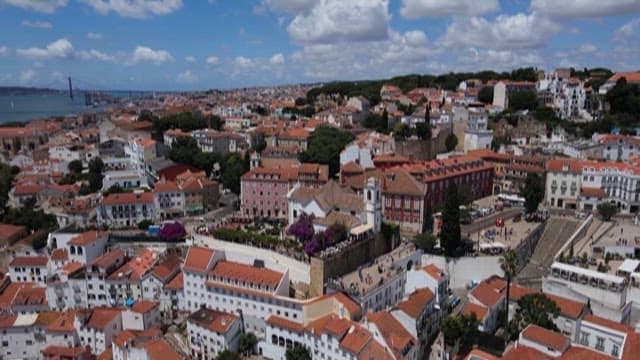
217 321
394 333
135 268
59 254
72 267
64 352
176 283
352 306
7 320
280 322
144 306
629 76
417 302
525 353
36 261
87 238
486 294
108 258
433 271
479 310
101 317
198 259
331 324
64 323
545 337
356 339
568 308
607 323
128 198
166 186
166 268
593 192
242 272
161 350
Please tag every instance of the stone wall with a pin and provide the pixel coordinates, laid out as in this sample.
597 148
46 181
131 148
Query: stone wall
345 262
421 150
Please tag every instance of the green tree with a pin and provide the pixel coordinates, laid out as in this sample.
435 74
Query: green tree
451 142
324 147
426 242
95 174
39 240
228 355
423 131
450 238
298 352
523 100
536 309
31 218
607 210
465 195
459 327
485 95
247 343
509 265
384 123
75 167
7 174
533 192
144 224
401 131
234 167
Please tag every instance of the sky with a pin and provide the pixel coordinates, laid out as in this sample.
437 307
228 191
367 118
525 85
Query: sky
206 44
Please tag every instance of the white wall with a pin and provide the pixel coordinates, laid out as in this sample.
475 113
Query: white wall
462 271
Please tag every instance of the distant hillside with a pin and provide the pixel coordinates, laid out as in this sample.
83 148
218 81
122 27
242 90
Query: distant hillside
19 90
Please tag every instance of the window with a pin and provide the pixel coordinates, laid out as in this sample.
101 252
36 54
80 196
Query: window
599 343
584 339
615 350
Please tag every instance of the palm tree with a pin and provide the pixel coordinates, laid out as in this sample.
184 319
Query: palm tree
508 264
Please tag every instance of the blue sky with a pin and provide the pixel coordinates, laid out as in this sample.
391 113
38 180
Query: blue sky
203 44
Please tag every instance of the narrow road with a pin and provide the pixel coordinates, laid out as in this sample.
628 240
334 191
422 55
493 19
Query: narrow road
557 231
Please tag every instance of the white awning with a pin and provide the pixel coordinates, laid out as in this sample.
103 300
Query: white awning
629 265
590 273
361 229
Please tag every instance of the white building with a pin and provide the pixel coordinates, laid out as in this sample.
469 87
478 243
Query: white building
126 209
30 269
581 184
211 332
67 287
87 246
18 337
97 273
98 327
618 147
606 293
142 315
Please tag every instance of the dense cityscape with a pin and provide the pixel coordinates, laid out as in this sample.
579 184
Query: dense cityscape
474 215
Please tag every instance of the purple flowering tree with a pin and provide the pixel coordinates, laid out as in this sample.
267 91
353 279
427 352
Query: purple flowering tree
172 232
302 229
312 246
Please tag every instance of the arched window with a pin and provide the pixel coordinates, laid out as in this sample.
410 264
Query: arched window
368 195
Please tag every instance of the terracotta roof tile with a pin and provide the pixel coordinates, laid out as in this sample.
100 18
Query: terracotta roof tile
242 272
479 310
394 333
63 323
356 339
167 268
434 271
280 322
101 317
217 321
128 198
198 259
87 238
486 294
59 254
35 261
176 283
547 338
568 308
108 258
417 302
144 306
161 350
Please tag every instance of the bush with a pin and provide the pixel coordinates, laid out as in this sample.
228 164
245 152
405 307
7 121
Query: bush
144 224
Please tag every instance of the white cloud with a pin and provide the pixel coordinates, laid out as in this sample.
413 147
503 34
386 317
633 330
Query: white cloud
331 21
95 55
191 59
27 77
291 6
94 36
414 9
587 48
4 51
187 77
138 9
506 32
277 59
37 24
415 38
57 77
627 30
44 6
243 61
60 48
213 60
585 8
146 54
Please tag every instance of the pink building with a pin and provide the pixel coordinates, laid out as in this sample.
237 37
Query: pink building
264 189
